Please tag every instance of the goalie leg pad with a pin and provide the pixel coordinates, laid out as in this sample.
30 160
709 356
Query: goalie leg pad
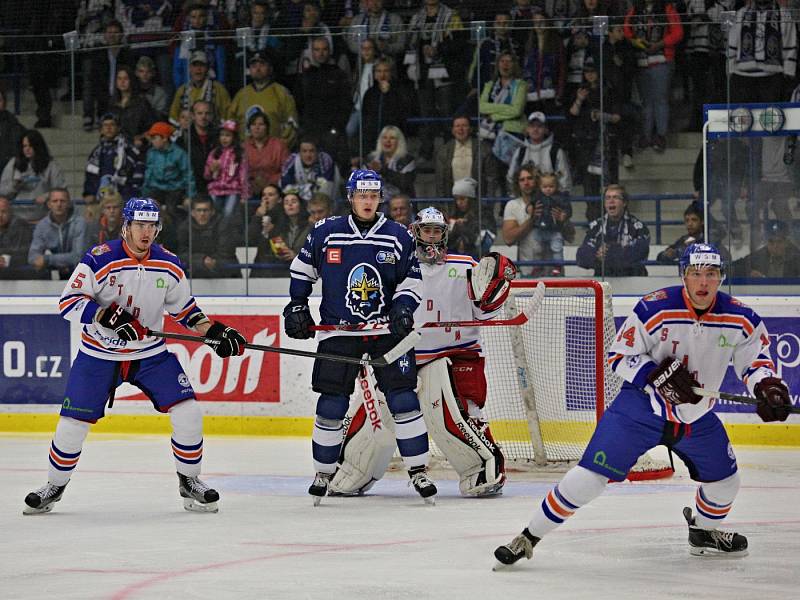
464 445
468 379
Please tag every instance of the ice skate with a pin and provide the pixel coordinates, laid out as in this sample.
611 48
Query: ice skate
520 547
319 488
713 542
197 496
422 483
42 500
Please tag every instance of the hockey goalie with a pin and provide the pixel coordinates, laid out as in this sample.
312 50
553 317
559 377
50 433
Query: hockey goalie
452 382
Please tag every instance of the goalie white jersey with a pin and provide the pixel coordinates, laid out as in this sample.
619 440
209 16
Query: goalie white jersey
445 298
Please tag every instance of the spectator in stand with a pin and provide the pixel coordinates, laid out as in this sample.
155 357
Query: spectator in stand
200 87
259 19
492 48
309 171
280 242
693 219
213 253
109 225
168 178
319 208
323 100
518 221
779 258
581 44
587 136
91 21
432 52
544 67
30 175
400 210
11 132
114 159
204 41
226 171
387 102
265 154
619 73
132 109
502 108
617 244
202 139
362 81
268 212
15 240
521 20
552 227
299 45
762 52
59 239
458 158
542 150
384 28
269 97
463 219
392 161
704 61
156 94
656 40
102 77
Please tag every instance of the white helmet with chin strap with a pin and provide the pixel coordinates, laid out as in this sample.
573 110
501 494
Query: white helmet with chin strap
430 252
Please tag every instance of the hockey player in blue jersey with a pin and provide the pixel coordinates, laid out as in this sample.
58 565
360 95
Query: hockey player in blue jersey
667 346
117 292
370 274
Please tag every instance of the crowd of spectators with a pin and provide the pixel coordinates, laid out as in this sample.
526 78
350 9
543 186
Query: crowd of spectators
264 130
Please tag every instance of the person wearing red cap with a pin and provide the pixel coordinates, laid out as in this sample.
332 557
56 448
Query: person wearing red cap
226 170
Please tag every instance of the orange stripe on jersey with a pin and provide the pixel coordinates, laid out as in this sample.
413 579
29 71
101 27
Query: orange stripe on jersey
116 264
185 311
164 264
93 342
763 363
64 462
615 359
732 319
190 455
552 502
667 314
670 413
712 510
72 300
461 258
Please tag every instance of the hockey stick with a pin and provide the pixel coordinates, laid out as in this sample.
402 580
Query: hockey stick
406 344
734 398
520 319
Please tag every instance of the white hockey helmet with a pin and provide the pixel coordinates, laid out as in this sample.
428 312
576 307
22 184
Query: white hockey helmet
428 251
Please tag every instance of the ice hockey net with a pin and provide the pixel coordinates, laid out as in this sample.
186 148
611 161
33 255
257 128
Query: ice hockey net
548 379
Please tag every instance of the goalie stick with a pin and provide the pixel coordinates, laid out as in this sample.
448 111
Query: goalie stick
734 398
520 319
406 344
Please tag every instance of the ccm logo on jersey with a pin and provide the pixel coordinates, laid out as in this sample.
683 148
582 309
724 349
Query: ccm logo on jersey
334 256
369 405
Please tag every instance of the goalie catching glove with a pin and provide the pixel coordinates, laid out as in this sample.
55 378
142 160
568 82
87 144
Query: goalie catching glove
125 325
773 399
490 284
674 382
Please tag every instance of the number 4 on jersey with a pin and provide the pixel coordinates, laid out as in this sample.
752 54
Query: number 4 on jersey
629 335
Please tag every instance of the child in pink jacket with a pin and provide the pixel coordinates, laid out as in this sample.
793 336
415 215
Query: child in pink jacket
226 170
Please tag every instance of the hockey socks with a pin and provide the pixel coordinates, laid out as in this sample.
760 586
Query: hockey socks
326 443
187 437
65 449
713 501
412 438
578 487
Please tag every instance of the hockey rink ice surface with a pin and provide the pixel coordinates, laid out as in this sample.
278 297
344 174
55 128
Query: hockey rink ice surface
120 532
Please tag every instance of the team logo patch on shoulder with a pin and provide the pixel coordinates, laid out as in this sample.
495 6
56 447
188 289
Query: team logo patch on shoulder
386 257
737 302
333 256
364 291
101 249
659 295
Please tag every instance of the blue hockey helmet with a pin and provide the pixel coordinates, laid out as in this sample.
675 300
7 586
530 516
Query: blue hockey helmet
363 179
141 209
701 255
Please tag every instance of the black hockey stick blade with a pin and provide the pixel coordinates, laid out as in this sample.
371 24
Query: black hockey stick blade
734 398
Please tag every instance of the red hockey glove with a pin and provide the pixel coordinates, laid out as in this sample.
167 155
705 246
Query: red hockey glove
124 324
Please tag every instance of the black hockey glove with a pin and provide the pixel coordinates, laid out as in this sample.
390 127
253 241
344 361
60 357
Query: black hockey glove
124 324
773 399
401 320
674 382
225 341
297 321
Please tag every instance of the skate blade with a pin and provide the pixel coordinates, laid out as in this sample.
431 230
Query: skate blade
193 505
430 500
28 510
711 553
316 500
498 566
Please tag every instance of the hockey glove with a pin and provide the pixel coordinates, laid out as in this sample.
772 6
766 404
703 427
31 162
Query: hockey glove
773 399
297 321
401 320
674 382
225 341
490 284
124 324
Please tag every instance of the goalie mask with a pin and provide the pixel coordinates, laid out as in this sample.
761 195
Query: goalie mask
430 230
140 209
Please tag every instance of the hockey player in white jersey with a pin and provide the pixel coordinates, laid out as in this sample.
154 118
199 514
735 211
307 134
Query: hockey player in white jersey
677 338
118 291
452 383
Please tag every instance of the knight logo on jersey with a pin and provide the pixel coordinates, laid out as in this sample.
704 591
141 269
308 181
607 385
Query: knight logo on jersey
364 291
659 295
101 249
